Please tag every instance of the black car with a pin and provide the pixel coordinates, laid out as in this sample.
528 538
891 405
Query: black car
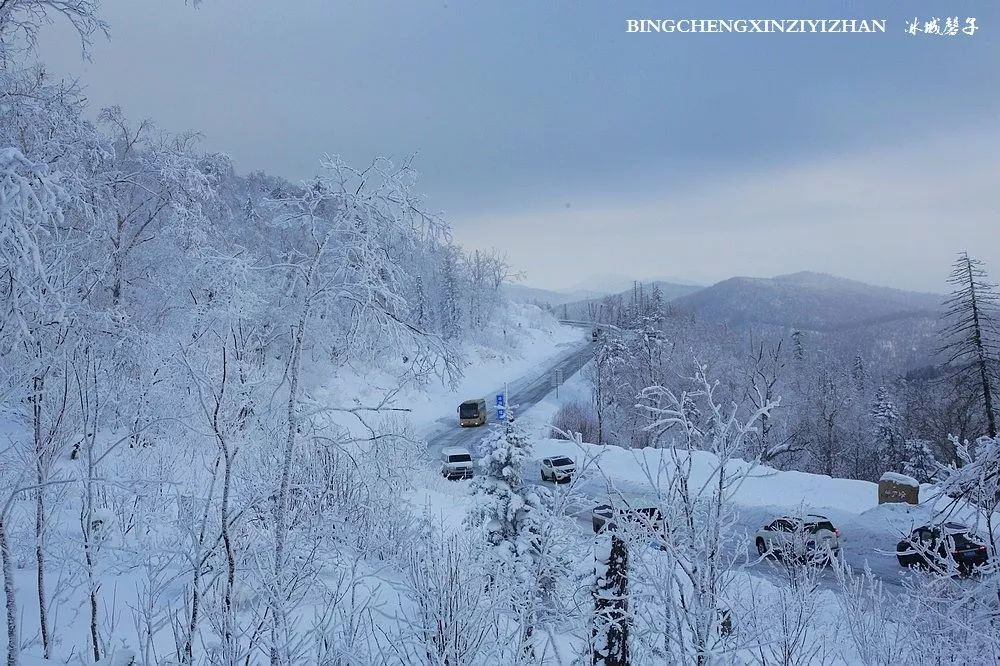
931 546
606 518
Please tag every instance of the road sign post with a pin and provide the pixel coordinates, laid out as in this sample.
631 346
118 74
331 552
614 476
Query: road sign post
557 379
501 404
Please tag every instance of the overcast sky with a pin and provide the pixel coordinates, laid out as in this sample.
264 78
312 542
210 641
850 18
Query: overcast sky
543 129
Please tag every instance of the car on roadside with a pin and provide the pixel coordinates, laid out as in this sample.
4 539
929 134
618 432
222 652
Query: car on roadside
456 463
621 516
810 538
932 546
558 469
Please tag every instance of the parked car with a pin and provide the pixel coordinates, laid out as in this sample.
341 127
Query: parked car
595 334
472 413
456 463
558 469
931 546
810 537
609 517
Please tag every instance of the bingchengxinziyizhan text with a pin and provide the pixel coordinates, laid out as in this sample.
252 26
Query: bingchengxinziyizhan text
869 25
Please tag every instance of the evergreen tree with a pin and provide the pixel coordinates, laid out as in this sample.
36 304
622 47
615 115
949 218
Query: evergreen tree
971 339
512 513
798 346
859 374
918 460
887 429
505 505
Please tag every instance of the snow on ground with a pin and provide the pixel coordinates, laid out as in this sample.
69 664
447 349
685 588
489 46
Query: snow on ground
869 530
536 339
539 418
530 337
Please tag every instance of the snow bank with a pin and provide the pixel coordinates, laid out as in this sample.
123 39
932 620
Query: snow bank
900 479
631 470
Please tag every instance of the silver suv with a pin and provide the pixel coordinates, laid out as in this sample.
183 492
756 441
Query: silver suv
558 468
456 463
810 537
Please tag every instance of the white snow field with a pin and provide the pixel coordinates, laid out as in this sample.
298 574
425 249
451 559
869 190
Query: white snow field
537 347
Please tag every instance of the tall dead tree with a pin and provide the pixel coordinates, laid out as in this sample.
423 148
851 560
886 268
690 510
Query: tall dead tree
970 337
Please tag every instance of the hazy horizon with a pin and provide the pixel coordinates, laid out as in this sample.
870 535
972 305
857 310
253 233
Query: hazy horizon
593 282
548 132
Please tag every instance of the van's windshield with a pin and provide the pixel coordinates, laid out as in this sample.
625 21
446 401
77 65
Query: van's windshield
460 457
468 411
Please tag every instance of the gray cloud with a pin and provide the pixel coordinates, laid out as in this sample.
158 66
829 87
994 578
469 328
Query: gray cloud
890 216
518 107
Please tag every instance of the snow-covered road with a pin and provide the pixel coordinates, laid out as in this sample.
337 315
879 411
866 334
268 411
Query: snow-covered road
523 394
869 531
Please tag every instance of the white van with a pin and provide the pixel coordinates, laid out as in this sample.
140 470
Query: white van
456 462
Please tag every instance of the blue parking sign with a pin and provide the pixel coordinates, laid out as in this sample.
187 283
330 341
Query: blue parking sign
501 413
500 400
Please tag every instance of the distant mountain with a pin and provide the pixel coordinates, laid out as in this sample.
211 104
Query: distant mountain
594 288
806 301
526 294
669 291
603 285
600 285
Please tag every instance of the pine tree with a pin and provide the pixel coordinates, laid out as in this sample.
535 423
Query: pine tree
887 429
859 374
511 512
918 460
971 339
798 346
506 506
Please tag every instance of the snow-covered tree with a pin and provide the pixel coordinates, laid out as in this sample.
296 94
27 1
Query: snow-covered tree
21 21
919 460
887 434
692 583
972 337
609 635
511 512
506 506
976 481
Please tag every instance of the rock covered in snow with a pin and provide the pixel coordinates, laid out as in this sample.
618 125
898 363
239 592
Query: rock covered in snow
900 479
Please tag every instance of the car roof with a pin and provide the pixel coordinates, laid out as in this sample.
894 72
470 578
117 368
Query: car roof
450 450
954 528
947 527
627 503
474 401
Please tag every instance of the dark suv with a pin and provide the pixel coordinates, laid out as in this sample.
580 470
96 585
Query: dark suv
608 518
931 546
